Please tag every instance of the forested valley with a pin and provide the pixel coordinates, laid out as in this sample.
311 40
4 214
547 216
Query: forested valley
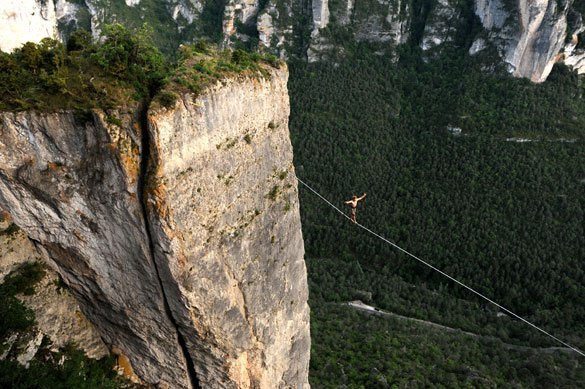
480 174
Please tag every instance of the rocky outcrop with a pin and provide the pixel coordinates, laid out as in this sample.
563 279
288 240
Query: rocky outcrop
225 217
177 230
70 182
382 22
575 58
238 12
185 12
441 24
24 21
320 15
574 53
399 20
58 317
530 38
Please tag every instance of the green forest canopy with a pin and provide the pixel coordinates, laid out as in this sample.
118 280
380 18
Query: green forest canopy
506 217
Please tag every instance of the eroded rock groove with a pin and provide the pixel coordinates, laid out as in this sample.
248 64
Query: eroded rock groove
142 183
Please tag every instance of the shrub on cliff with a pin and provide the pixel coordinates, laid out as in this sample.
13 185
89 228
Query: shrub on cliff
122 67
202 64
84 74
132 57
14 316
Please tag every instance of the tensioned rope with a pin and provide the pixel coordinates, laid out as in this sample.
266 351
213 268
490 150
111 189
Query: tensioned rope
442 272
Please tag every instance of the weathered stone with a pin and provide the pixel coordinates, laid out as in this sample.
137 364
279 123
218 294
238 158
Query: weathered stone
197 263
22 21
529 38
320 10
57 313
441 24
574 56
30 350
242 11
71 184
225 218
58 316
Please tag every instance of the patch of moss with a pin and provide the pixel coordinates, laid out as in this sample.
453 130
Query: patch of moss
114 120
273 194
167 99
11 230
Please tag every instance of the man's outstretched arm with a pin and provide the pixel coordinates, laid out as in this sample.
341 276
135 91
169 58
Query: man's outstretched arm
363 197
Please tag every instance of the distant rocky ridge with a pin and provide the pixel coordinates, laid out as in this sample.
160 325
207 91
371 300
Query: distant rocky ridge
529 35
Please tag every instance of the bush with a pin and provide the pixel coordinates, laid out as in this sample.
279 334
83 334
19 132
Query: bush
85 74
167 99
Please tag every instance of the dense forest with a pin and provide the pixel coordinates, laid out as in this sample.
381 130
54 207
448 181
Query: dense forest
480 174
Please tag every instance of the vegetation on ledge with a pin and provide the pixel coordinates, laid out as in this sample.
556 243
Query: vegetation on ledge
201 65
122 68
83 74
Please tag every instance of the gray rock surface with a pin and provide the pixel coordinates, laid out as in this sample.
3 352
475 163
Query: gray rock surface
226 219
57 314
441 24
59 317
574 53
214 277
70 183
530 38
320 10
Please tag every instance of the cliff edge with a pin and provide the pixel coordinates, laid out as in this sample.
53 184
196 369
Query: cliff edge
177 229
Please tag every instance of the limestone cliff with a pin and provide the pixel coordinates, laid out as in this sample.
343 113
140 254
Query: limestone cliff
530 36
177 230
70 183
225 215
22 21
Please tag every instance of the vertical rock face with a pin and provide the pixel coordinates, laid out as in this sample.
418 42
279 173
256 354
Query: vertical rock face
238 11
320 15
225 215
529 38
70 183
188 261
383 22
574 54
22 21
